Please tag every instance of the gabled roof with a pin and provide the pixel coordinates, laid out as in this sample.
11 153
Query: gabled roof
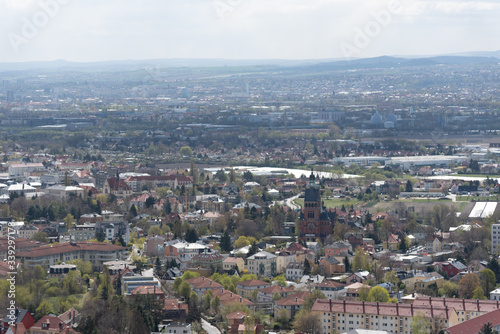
474 325
253 282
117 184
236 315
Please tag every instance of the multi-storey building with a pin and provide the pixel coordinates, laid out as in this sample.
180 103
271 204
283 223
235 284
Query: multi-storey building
339 316
94 252
495 237
262 264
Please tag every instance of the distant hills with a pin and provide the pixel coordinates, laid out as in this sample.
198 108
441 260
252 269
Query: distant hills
490 57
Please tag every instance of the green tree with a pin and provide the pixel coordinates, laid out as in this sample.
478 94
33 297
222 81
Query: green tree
487 329
378 294
44 308
186 151
449 289
311 298
478 293
467 285
363 293
225 242
488 280
185 290
221 175
361 260
307 267
408 187
420 324
308 322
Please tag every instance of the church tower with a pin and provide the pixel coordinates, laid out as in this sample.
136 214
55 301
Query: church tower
314 222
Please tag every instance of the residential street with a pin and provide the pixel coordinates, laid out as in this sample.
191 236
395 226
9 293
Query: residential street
209 328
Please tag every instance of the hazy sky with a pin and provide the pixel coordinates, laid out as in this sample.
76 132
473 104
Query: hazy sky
90 30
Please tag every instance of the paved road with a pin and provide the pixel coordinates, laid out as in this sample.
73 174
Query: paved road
209 328
288 202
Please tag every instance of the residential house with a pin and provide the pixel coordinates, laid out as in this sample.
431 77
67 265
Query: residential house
291 304
246 288
19 316
359 277
234 320
229 298
330 288
331 265
434 243
284 258
27 231
175 328
450 268
201 284
262 264
265 295
230 263
50 324
338 248
208 260
393 243
294 271
352 290
82 232
155 246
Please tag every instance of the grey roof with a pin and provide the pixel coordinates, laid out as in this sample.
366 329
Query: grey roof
312 195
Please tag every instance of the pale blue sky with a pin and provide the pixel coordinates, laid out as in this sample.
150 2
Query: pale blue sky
92 30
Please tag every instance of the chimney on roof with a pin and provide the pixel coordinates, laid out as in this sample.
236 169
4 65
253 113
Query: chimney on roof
296 298
378 309
432 312
231 294
202 278
411 308
344 305
241 299
363 306
478 306
397 309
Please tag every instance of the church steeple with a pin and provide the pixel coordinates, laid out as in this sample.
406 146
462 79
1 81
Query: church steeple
312 179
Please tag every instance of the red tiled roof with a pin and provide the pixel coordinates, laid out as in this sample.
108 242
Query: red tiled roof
67 248
276 288
119 184
253 282
55 324
385 309
21 243
474 325
203 282
474 305
236 315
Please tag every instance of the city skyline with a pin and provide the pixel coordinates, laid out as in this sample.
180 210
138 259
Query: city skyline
243 29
